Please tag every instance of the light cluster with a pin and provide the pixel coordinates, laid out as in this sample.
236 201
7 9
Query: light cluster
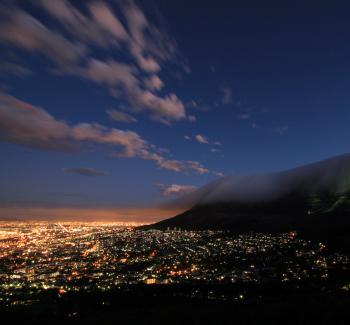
95 256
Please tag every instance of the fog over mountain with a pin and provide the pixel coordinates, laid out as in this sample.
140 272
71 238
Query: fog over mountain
314 200
330 176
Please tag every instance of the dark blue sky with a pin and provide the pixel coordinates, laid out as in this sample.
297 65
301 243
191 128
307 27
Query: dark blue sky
118 104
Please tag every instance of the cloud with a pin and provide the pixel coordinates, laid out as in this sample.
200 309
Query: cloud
192 104
154 83
204 140
163 109
84 171
104 16
21 29
27 125
197 167
15 69
226 95
148 46
219 174
244 116
145 42
192 118
120 116
201 139
137 23
176 189
249 113
176 165
282 129
32 126
75 23
113 73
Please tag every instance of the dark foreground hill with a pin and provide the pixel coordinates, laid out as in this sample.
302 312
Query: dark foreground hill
314 200
173 305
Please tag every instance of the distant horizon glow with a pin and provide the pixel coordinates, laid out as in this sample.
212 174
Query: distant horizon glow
125 215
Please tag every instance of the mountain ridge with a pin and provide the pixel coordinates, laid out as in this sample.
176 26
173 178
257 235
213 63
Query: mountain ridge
313 200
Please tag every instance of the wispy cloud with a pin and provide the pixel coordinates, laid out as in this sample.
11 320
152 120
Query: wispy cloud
252 115
100 26
226 95
176 189
247 112
201 139
32 126
23 30
204 140
244 116
219 174
84 171
153 83
121 116
184 166
192 118
7 67
282 129
125 77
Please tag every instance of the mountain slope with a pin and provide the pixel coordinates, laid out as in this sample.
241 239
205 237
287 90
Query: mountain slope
313 199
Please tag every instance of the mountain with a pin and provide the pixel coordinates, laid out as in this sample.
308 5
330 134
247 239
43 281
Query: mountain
313 200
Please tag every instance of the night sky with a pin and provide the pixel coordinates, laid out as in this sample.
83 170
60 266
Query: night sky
108 108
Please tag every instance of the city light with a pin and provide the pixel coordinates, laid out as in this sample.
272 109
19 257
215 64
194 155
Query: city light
38 256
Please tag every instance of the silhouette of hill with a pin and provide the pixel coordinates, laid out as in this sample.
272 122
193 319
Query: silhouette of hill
313 200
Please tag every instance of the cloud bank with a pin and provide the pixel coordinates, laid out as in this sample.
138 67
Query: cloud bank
32 126
328 177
